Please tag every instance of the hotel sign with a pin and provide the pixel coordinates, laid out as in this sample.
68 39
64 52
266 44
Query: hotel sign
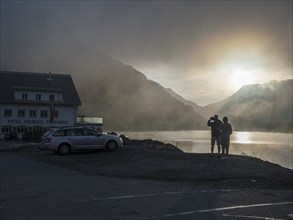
35 122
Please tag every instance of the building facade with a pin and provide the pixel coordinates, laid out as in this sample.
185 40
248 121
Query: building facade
33 102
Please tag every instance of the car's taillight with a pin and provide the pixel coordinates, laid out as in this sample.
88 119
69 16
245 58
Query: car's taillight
48 140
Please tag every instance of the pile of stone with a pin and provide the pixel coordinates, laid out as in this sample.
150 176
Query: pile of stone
149 143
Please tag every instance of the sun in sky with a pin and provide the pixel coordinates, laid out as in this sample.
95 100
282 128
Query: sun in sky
241 77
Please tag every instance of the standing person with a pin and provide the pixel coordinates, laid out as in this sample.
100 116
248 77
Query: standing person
225 132
215 123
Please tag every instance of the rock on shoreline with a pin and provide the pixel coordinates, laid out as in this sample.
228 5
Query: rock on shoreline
152 144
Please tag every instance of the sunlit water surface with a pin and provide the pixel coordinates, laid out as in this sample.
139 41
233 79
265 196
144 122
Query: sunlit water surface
274 147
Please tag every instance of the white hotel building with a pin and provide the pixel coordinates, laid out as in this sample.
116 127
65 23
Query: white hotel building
33 102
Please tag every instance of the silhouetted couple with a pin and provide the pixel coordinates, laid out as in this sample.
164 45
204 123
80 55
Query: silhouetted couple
220 134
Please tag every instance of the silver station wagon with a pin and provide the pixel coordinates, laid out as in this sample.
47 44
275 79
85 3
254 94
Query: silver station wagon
67 139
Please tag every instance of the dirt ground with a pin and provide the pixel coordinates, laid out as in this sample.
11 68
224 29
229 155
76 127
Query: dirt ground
143 180
164 163
148 159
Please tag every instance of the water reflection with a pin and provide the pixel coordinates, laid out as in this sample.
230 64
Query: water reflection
242 137
274 147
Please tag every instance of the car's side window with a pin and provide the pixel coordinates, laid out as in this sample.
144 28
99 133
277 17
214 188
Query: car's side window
89 132
75 132
59 133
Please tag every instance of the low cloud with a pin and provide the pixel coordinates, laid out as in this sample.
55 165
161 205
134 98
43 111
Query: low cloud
172 41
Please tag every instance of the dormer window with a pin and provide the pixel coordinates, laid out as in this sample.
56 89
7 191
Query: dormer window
24 96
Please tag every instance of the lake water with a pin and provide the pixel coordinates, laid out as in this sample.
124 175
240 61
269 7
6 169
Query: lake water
274 147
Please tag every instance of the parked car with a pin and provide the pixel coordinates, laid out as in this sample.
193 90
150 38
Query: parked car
67 139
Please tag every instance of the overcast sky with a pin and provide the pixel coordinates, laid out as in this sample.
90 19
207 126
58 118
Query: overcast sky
203 50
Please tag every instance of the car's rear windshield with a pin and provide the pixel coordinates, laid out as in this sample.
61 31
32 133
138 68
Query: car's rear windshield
48 132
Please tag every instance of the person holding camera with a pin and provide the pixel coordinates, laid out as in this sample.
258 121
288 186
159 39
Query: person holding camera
215 123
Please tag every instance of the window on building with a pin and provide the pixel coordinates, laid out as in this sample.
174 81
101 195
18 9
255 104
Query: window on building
21 129
32 113
6 129
7 112
44 114
38 97
24 96
51 98
56 114
37 129
21 113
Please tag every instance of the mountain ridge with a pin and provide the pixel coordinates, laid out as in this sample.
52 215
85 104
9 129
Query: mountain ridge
127 100
256 107
195 106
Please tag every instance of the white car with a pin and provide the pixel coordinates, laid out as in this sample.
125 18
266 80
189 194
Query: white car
67 139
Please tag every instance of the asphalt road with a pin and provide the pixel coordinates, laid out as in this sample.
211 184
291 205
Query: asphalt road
41 185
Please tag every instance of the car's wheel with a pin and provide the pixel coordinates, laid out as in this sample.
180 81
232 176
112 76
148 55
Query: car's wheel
111 146
64 149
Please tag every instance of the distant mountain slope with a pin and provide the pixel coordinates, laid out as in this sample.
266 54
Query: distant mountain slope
195 106
124 97
127 100
266 107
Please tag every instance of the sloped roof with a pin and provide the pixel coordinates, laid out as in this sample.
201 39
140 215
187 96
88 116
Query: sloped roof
10 81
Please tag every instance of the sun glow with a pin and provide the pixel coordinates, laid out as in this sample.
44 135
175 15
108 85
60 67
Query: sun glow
241 77
242 137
